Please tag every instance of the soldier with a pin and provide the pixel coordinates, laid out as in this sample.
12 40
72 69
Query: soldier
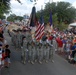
54 48
33 52
51 50
29 40
24 51
44 38
19 38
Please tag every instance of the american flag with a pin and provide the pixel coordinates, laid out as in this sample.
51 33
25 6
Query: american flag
40 29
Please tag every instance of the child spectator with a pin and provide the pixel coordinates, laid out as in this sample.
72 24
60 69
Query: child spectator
7 56
68 45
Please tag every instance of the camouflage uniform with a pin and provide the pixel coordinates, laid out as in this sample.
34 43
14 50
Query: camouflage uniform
19 39
29 46
44 49
47 48
33 52
24 51
36 50
40 53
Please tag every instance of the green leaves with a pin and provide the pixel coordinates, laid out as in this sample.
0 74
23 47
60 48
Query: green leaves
4 7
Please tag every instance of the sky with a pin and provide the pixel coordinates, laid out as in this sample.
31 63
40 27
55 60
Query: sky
26 6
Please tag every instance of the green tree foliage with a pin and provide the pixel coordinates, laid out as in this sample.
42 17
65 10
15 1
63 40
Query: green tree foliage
4 7
13 17
63 13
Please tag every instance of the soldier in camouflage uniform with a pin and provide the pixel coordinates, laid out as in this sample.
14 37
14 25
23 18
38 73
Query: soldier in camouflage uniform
54 47
24 51
44 38
29 46
33 51
51 50
19 38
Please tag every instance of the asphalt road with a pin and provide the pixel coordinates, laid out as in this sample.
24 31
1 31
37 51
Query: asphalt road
59 67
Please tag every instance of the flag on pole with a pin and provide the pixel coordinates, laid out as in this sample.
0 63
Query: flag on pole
40 28
33 18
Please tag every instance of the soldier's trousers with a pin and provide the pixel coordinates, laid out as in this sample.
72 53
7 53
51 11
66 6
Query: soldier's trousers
40 55
33 55
24 55
47 54
44 53
51 53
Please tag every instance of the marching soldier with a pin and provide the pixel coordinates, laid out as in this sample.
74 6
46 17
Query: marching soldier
29 46
51 50
54 48
44 38
19 38
33 52
24 51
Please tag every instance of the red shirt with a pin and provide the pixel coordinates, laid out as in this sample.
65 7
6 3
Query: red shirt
60 43
50 38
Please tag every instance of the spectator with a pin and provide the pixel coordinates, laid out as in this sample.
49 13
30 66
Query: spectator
7 56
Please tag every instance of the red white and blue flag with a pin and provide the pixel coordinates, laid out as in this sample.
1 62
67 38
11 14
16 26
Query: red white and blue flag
40 29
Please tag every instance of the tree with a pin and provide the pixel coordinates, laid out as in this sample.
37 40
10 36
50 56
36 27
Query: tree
13 17
65 12
4 6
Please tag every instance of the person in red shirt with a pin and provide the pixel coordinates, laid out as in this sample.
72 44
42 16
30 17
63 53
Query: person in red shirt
60 45
74 40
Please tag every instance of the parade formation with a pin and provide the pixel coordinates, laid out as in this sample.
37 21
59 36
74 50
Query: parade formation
32 49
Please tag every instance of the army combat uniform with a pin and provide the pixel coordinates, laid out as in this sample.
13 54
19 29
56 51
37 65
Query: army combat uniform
24 51
40 53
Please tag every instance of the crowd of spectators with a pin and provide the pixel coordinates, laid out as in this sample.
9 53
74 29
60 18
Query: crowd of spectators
66 44
4 50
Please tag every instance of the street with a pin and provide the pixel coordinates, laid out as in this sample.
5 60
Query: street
59 67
